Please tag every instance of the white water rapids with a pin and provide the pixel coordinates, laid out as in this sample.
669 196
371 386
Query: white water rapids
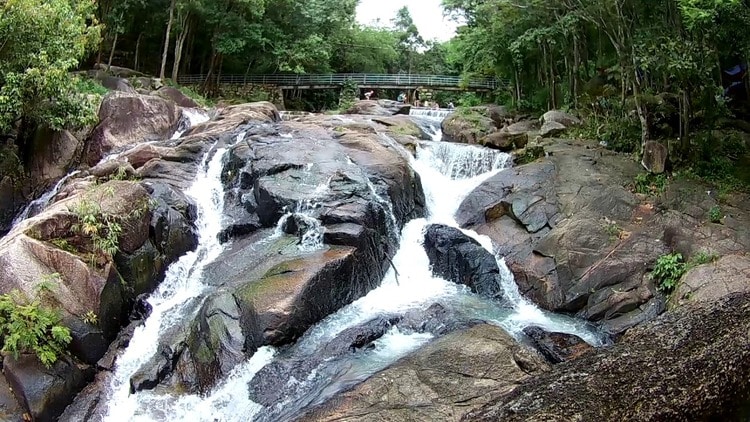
449 172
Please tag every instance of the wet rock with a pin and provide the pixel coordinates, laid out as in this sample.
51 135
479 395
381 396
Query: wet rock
112 168
654 157
88 341
127 119
176 96
10 410
437 319
556 347
456 257
171 221
114 83
500 115
43 393
149 376
705 377
272 383
425 385
709 282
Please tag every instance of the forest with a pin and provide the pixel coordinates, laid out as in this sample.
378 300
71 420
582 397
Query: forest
635 69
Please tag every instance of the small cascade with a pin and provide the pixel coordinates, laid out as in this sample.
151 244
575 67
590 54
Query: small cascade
190 118
430 113
36 206
463 161
173 299
301 221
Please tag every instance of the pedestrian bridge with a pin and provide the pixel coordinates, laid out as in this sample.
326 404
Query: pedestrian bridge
363 80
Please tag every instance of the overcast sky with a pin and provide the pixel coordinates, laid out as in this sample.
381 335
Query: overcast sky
427 15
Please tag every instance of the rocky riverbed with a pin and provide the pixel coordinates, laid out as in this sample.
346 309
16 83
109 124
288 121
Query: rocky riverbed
311 210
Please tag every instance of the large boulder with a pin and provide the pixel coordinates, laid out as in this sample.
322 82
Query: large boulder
55 154
709 282
504 140
556 347
402 125
126 119
559 224
551 128
467 126
371 108
395 107
557 116
43 392
338 205
176 96
425 385
456 257
704 377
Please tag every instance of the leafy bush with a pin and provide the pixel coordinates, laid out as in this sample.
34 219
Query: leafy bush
702 258
103 230
648 184
715 214
30 328
668 271
89 86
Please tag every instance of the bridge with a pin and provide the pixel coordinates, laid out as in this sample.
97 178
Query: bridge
363 80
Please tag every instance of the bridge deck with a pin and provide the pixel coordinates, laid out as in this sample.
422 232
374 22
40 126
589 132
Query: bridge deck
363 80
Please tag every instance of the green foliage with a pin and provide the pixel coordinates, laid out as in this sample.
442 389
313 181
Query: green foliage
715 214
102 229
41 41
90 318
702 258
668 271
650 184
613 230
349 95
30 328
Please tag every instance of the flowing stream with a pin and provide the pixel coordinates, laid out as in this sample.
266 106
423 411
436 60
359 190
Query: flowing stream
448 172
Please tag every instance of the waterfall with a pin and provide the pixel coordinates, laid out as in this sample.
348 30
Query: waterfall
182 283
431 113
190 118
37 205
449 172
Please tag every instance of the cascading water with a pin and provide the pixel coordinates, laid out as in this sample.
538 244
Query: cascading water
182 283
190 118
40 203
448 173
431 113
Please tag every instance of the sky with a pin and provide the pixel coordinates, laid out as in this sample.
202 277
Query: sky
427 15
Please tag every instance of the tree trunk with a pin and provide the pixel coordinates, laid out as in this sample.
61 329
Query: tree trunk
166 40
576 69
640 108
137 50
185 28
112 53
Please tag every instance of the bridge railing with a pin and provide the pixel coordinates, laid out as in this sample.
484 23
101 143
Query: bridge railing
365 79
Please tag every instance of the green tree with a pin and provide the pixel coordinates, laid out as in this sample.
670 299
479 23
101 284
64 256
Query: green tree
41 41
